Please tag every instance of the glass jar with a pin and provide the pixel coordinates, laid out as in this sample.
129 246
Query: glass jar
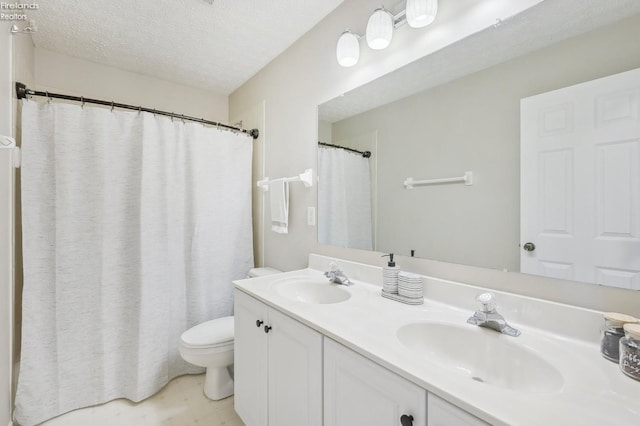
612 333
630 351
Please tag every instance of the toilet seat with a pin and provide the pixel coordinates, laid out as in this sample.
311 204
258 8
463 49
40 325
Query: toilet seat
211 334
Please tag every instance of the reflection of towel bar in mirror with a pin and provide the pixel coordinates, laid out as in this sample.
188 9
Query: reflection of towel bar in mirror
409 183
306 178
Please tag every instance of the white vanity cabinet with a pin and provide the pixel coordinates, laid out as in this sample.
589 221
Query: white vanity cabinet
358 391
443 413
278 367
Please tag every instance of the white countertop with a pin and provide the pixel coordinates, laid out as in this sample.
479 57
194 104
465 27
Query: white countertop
594 390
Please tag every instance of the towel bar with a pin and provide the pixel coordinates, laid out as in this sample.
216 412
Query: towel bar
305 177
409 183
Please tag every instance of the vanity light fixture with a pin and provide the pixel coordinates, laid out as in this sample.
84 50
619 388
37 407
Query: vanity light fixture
380 29
421 13
348 50
417 13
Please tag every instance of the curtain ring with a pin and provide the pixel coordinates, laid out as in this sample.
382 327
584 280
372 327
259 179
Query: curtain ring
82 100
182 118
111 106
172 115
154 112
202 121
139 109
48 100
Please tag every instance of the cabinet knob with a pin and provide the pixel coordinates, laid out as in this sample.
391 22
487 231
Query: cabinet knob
259 323
267 328
406 420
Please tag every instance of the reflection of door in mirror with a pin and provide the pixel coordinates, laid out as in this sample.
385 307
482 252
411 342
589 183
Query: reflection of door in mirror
580 165
346 185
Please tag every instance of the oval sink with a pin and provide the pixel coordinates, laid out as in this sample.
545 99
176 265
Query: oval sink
311 290
482 355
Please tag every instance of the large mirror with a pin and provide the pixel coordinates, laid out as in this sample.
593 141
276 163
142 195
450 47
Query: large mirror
432 121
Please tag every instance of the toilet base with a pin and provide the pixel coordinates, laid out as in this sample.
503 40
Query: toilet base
218 383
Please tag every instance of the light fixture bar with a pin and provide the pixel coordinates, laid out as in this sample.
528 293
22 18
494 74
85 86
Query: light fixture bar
400 18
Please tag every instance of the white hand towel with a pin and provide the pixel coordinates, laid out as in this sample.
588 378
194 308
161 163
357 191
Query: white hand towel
279 200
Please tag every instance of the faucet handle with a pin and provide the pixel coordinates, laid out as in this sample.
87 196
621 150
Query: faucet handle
334 266
487 302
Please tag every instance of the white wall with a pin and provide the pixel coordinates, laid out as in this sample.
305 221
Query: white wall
307 75
473 124
61 73
5 79
23 71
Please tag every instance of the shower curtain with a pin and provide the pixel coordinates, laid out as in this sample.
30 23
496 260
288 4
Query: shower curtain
344 199
134 227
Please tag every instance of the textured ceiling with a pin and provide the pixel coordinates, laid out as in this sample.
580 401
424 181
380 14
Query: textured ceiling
217 44
542 25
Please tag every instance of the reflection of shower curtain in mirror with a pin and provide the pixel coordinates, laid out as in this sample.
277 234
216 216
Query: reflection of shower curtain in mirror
344 199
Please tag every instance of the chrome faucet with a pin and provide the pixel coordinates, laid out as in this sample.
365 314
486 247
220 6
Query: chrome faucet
336 276
488 317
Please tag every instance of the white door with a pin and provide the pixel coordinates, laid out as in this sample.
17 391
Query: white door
359 392
580 182
250 360
295 373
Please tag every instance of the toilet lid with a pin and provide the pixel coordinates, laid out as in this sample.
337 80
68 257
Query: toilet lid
210 333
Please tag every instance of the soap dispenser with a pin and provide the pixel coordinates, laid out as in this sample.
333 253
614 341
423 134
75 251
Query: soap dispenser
390 276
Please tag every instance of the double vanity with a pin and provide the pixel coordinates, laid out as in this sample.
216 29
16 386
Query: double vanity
309 352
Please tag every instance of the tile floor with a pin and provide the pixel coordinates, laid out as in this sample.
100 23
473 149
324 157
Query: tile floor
180 403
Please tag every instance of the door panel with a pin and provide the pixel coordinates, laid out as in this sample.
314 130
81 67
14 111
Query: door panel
295 373
250 360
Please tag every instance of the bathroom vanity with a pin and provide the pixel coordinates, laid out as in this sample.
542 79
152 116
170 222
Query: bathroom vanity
314 353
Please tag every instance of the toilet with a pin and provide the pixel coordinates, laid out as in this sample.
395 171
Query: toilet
210 345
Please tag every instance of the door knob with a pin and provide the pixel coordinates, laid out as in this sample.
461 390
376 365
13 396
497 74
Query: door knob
406 420
259 323
529 247
267 328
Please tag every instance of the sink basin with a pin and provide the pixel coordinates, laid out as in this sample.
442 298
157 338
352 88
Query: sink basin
482 355
311 290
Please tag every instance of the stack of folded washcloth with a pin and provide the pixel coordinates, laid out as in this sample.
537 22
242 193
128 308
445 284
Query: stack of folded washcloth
410 285
390 280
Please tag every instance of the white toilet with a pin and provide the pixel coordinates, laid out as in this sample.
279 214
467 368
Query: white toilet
210 345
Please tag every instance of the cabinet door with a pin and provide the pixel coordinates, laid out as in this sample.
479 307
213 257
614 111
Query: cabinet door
250 360
359 392
443 413
295 373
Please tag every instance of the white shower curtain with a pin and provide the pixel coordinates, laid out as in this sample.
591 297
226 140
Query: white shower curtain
133 228
344 199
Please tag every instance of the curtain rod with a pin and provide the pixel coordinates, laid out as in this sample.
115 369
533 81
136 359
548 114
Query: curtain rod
23 92
365 154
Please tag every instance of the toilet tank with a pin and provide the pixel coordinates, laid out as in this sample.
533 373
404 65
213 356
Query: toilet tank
261 272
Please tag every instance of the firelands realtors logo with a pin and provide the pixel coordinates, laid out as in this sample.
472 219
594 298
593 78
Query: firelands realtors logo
16 11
